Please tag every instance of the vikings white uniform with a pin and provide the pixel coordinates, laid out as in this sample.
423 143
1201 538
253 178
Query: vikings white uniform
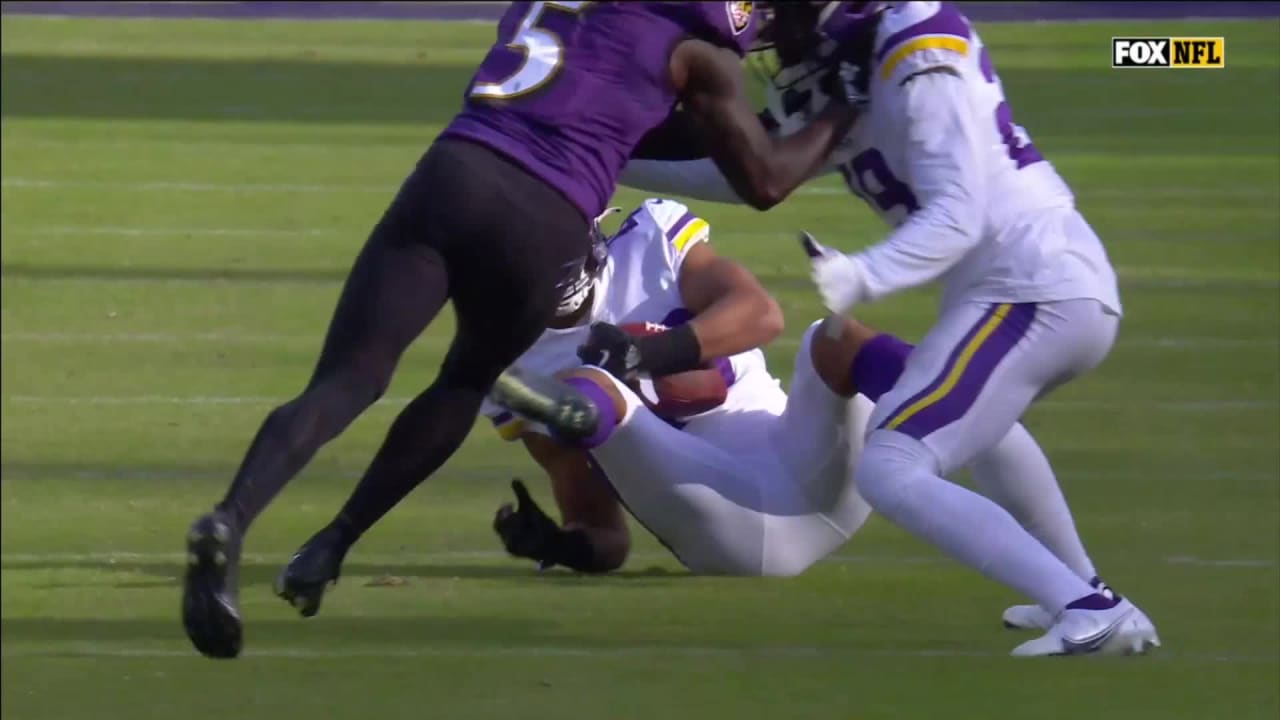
761 485
1030 301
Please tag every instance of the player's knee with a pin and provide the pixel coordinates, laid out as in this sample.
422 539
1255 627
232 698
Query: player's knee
602 380
833 353
889 467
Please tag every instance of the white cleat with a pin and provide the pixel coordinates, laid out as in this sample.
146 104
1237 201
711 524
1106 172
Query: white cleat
1120 630
1027 617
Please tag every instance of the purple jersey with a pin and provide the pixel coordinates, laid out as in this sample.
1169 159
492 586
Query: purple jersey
570 88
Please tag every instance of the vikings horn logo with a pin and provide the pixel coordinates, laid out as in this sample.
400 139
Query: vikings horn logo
739 15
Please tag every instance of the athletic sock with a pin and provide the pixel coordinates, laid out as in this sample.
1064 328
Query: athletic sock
606 411
1016 474
879 365
425 434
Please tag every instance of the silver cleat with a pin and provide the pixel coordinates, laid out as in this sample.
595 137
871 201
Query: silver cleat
547 400
1120 630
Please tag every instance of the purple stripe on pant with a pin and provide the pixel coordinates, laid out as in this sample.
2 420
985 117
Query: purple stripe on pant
946 368
982 364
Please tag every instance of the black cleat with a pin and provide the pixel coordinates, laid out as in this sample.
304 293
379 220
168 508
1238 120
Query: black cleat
210 606
311 571
549 401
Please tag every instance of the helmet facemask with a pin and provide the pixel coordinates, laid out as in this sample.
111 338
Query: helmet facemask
575 291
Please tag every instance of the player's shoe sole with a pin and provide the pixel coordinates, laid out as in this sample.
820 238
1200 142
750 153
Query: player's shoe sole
549 401
209 606
311 572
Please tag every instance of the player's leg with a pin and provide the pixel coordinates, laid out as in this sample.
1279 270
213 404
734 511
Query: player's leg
703 504
396 286
525 240
819 436
961 391
1015 472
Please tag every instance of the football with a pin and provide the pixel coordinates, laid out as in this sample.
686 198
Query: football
681 395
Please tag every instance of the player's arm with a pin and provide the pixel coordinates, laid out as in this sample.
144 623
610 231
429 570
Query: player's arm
672 160
732 312
677 138
945 160
761 169
593 535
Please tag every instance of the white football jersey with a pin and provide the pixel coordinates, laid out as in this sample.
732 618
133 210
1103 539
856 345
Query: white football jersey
640 283
941 159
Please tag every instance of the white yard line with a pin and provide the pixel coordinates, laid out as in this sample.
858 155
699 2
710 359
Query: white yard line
185 186
198 400
1220 563
121 231
25 183
444 556
1172 343
106 650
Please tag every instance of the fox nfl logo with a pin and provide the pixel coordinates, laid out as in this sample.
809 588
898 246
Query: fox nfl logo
1171 52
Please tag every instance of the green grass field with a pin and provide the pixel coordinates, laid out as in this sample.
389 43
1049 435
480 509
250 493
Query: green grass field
181 200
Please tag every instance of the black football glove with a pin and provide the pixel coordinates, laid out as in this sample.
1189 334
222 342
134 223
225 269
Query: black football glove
626 357
526 531
611 348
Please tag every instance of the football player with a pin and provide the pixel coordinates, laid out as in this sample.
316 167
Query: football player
735 476
495 217
1030 302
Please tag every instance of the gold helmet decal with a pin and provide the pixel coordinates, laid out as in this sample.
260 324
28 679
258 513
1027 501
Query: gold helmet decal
739 15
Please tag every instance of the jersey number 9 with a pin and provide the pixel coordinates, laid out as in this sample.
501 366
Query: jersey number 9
543 52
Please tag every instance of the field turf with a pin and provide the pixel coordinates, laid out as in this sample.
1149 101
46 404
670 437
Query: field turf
181 200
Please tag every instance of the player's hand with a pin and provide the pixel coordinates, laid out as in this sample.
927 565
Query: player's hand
611 348
525 530
839 277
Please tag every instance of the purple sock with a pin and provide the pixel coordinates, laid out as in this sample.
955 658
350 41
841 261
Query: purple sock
1093 601
878 365
604 405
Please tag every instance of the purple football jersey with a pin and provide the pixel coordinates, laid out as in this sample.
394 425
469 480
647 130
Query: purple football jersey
570 88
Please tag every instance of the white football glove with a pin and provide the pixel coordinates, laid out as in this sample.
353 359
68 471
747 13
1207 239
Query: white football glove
840 278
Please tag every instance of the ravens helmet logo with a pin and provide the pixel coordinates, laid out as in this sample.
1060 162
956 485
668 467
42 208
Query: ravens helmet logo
739 15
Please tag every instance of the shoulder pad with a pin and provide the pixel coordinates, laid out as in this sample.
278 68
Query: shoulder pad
915 36
678 223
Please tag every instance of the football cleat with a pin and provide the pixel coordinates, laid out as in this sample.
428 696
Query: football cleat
546 400
312 570
1119 630
210 606
1034 617
1027 617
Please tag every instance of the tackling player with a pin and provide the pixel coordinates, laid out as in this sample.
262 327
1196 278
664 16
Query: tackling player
1030 302
495 217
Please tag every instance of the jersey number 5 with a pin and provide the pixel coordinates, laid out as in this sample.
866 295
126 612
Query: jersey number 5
543 53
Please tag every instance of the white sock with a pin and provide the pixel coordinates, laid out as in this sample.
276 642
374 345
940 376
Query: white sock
898 476
1016 474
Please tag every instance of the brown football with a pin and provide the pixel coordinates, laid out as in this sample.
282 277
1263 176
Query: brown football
683 394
